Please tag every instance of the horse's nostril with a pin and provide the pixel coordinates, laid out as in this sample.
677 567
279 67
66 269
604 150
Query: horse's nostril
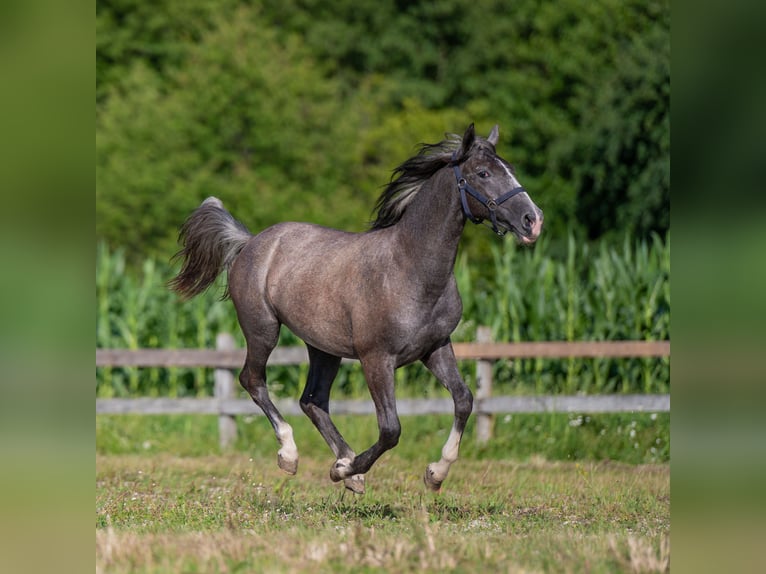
529 221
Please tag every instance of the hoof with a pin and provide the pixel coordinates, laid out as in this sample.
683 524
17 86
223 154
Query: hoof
355 484
289 466
340 470
430 481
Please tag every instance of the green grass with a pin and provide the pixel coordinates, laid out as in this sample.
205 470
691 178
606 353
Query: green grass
633 438
550 493
233 513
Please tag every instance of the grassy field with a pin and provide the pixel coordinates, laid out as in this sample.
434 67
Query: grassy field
168 501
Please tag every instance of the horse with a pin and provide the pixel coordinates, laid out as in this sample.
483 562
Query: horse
386 296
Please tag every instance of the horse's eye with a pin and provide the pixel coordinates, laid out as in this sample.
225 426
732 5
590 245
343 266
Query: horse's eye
484 174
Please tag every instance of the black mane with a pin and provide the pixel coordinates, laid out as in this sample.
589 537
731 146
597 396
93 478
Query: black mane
409 177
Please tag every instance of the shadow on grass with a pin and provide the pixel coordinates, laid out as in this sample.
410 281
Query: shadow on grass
443 510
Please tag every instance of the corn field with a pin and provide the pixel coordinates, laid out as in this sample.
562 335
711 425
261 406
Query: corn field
591 293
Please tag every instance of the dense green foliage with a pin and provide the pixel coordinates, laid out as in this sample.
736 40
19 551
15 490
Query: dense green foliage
299 110
607 293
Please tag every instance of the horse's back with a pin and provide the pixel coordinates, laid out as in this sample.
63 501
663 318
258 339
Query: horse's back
340 292
307 277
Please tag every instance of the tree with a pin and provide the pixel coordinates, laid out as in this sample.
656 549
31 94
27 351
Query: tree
620 158
300 109
158 33
247 118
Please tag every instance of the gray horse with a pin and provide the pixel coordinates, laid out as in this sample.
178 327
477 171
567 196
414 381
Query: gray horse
386 296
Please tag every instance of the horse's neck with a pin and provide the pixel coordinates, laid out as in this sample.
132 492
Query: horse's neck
431 227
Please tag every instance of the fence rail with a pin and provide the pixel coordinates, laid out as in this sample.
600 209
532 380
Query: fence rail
226 357
235 358
492 405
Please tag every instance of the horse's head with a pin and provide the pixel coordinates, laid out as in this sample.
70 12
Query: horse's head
489 189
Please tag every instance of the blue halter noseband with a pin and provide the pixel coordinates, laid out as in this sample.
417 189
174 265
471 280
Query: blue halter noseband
490 204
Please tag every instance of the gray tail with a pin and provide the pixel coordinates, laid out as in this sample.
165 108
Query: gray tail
211 240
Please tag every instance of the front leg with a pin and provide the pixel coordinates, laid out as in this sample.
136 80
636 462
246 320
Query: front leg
379 372
441 362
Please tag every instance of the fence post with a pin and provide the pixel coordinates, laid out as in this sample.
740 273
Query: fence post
224 389
483 389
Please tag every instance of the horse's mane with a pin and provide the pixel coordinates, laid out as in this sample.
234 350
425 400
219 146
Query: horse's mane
408 179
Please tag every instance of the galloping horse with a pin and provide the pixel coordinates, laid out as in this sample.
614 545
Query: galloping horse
386 296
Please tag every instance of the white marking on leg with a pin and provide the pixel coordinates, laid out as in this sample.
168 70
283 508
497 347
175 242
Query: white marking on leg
289 451
451 447
341 469
439 470
355 483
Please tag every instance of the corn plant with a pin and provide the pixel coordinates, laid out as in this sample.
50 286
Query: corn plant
590 292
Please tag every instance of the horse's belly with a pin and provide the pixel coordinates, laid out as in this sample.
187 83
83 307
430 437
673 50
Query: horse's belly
324 333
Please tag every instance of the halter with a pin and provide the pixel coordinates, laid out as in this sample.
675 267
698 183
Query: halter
489 203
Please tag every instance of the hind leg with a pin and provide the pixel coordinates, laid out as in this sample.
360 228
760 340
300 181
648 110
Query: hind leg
260 343
315 402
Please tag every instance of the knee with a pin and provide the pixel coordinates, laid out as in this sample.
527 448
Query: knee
312 405
389 434
463 403
257 389
308 401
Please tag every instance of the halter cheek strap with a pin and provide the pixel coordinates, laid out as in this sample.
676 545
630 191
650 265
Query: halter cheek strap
491 204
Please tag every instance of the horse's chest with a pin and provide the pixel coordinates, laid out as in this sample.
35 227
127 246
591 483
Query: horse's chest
444 316
406 325
422 326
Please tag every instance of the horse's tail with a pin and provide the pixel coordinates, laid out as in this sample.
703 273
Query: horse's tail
211 240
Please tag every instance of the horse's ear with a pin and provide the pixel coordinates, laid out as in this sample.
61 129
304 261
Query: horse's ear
494 135
468 138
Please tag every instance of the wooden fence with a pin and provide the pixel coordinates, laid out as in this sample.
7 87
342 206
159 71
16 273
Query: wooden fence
225 358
